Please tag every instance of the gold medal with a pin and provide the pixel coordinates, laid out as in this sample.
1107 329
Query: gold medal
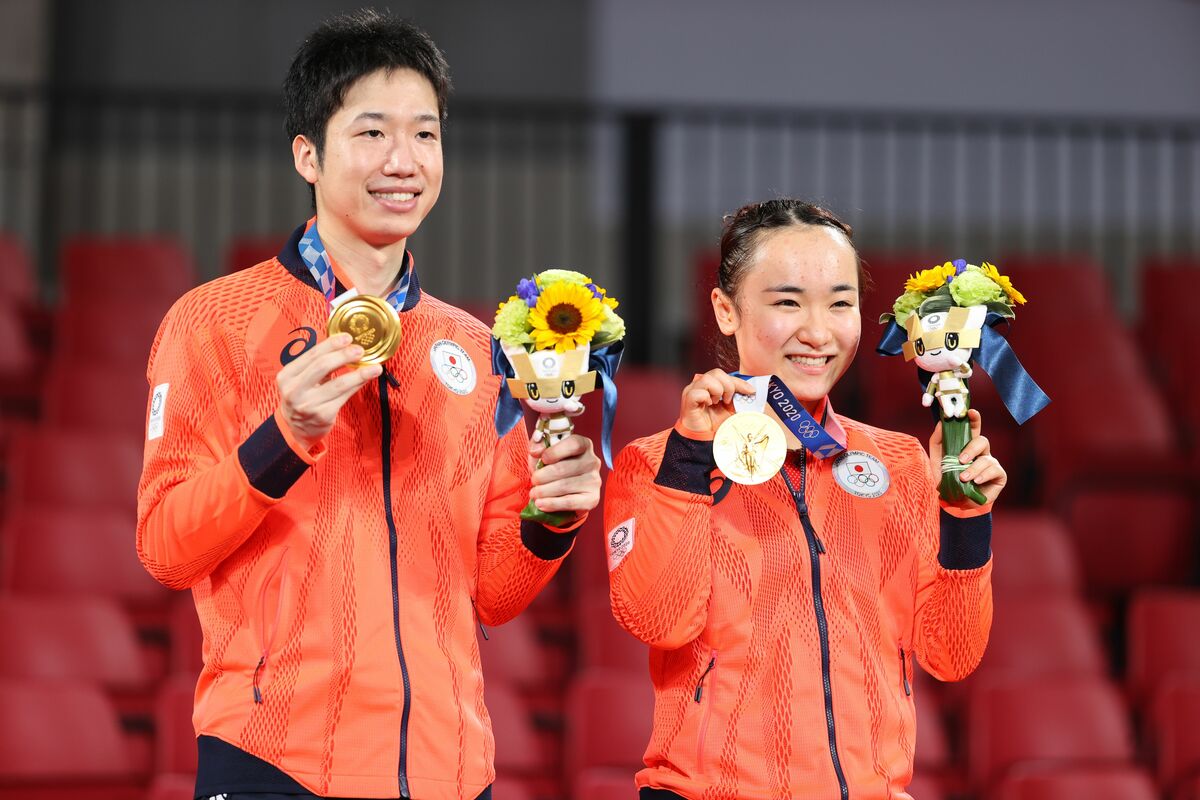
373 325
750 447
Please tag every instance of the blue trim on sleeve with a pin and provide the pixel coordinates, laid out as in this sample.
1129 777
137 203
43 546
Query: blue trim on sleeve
270 464
687 465
545 543
965 543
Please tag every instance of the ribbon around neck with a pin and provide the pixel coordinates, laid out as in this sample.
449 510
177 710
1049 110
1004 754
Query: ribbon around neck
312 251
603 360
1021 395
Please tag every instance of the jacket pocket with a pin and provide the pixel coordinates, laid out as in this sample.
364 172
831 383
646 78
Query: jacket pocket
905 682
705 689
270 609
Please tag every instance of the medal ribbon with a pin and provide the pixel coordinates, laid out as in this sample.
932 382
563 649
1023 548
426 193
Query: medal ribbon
312 250
822 441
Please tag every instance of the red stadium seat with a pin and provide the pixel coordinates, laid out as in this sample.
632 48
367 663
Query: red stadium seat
1162 639
518 750
1174 730
1162 516
1064 720
248 251
603 643
511 655
175 738
1098 783
172 787
187 638
609 715
96 397
19 286
124 271
60 741
76 552
924 787
1032 555
74 469
16 352
933 748
1041 635
69 639
1044 277
505 788
604 783
115 337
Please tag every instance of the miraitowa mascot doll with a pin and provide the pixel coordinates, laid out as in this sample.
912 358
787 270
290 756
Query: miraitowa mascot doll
943 321
553 340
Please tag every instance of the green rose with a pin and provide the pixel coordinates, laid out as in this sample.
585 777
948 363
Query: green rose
570 276
906 304
612 328
512 326
973 288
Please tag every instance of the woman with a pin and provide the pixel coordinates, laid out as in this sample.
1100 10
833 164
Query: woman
782 616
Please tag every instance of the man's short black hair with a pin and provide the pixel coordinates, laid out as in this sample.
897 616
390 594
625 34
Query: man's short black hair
346 48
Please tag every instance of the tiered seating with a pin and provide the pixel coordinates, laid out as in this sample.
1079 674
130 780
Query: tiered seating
1095 783
1066 721
608 725
61 741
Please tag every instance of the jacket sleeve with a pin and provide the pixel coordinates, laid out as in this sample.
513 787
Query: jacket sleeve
516 558
660 575
954 584
202 492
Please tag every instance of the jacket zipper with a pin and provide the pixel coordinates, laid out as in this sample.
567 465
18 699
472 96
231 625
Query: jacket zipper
703 732
904 673
268 632
386 446
816 548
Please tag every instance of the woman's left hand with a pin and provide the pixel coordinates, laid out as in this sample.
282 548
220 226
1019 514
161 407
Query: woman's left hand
984 469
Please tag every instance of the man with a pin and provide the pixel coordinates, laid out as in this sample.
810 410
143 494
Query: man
344 528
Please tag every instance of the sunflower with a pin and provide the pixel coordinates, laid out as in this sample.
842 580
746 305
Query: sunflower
1004 282
566 316
929 279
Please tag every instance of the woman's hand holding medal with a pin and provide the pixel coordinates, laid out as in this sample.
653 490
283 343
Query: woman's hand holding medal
708 400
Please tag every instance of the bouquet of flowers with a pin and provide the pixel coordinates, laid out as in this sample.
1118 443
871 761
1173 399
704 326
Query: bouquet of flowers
553 339
943 322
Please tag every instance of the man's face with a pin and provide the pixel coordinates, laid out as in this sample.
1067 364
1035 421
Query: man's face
381 171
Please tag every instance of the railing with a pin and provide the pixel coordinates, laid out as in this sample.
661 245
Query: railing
628 195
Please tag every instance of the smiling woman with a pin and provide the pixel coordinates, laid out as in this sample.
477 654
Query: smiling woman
784 593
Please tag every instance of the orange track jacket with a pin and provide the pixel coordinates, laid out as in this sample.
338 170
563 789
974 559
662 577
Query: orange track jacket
781 625
338 590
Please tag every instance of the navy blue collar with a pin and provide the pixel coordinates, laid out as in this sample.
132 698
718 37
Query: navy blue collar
289 256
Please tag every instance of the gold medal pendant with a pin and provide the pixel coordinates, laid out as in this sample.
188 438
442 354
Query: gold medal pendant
373 325
750 447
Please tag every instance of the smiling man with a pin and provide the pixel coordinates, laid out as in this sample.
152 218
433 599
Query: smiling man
345 514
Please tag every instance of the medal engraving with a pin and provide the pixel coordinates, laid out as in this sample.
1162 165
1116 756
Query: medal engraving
749 447
373 325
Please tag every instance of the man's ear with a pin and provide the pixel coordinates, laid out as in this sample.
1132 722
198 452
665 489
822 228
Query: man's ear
725 312
304 155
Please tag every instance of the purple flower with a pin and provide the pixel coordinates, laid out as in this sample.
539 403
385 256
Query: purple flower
959 265
527 290
596 293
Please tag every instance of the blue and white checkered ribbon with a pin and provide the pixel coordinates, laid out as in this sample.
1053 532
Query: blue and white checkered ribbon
312 251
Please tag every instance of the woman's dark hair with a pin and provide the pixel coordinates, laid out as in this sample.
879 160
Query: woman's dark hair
745 228
343 50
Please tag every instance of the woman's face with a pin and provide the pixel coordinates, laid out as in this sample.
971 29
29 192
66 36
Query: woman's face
796 313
